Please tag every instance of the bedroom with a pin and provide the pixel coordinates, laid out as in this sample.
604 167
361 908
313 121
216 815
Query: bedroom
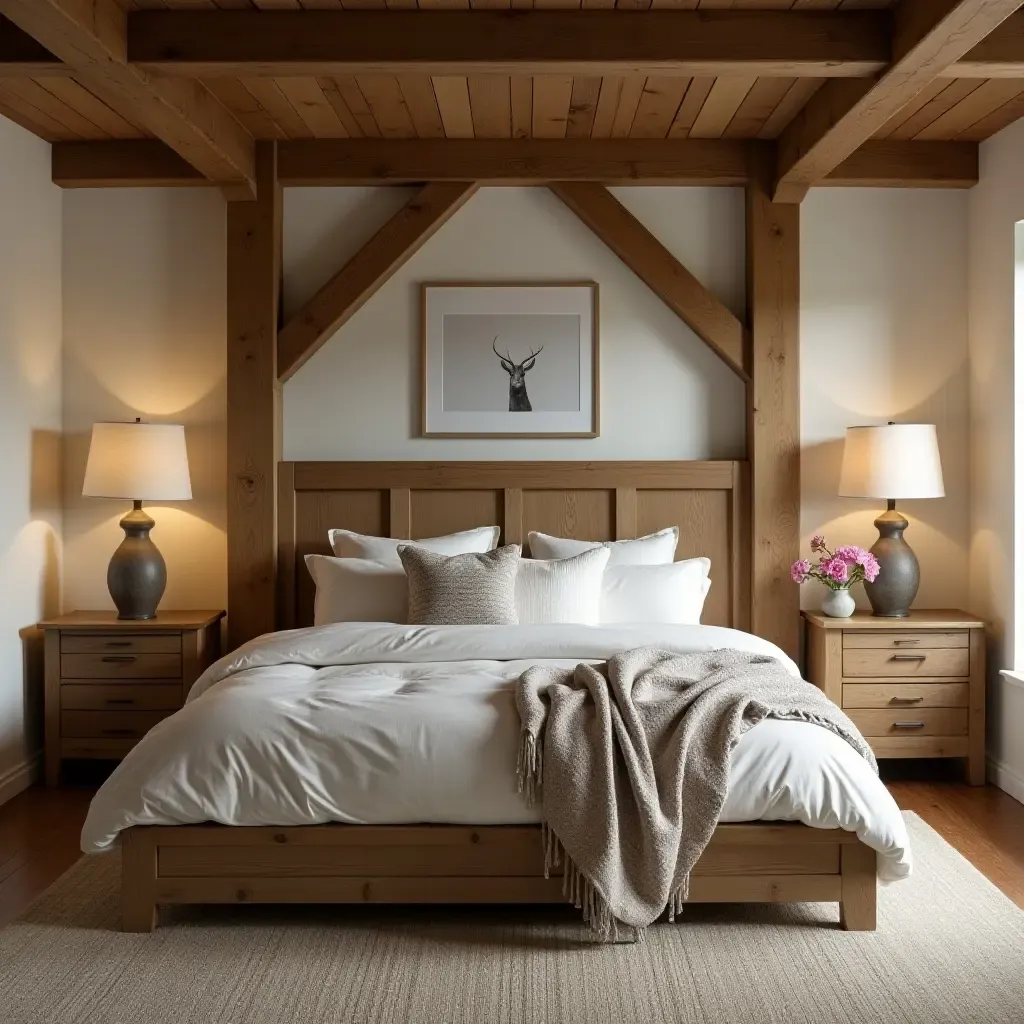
145 296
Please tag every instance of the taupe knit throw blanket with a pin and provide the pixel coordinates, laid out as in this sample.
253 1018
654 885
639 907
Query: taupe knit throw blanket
631 760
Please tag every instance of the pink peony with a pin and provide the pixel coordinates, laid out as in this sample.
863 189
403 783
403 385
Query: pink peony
817 542
851 554
835 568
870 566
800 570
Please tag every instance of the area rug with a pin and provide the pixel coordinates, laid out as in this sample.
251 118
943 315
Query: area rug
949 948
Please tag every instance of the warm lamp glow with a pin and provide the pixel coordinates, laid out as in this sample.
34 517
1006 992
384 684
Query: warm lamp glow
899 460
140 461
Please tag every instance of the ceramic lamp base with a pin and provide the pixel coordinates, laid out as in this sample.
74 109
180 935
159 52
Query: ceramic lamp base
137 574
899 576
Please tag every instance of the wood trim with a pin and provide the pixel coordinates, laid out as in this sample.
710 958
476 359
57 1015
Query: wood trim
208 44
878 163
22 57
625 513
773 446
254 419
400 515
220 864
91 38
657 268
367 271
927 39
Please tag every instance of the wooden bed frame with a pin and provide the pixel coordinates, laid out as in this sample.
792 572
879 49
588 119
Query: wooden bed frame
709 503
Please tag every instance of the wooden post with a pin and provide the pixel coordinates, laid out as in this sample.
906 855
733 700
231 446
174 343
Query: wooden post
858 902
254 408
773 441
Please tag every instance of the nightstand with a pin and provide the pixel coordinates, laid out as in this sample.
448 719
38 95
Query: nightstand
110 680
915 687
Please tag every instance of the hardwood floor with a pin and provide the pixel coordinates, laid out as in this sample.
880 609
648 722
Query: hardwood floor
39 832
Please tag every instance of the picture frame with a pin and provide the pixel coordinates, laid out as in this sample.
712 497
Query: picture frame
482 345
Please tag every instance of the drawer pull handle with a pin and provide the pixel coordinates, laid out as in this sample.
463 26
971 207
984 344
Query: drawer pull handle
908 657
117 732
901 643
905 700
119 659
908 725
118 643
119 700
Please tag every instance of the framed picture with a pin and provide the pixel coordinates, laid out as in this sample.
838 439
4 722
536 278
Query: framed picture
510 360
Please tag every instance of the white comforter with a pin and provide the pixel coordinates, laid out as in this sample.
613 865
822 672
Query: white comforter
383 724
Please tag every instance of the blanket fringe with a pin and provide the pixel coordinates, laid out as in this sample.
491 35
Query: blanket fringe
530 766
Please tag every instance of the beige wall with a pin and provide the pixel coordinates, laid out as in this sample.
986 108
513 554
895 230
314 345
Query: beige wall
144 330
996 273
30 418
883 336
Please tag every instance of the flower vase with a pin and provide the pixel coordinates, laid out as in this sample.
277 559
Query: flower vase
839 604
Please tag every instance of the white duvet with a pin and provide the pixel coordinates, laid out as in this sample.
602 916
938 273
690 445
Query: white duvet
382 724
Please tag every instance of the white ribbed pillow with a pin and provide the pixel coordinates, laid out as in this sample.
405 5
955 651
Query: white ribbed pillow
561 590
347 544
654 549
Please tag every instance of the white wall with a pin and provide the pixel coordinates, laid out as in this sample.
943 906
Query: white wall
996 561
144 335
664 395
30 418
883 336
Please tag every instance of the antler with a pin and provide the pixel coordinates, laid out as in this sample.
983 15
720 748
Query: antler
506 360
531 358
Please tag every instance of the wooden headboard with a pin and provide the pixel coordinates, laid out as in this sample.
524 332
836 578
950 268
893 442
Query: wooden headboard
708 501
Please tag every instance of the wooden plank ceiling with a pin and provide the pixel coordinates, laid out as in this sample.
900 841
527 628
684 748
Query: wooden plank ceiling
495 106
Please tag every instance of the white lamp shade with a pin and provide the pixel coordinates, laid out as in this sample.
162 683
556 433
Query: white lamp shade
140 461
899 460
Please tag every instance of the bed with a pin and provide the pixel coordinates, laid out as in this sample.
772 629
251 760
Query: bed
373 763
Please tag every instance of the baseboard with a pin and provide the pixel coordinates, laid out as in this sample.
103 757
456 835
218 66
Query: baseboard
1008 779
17 779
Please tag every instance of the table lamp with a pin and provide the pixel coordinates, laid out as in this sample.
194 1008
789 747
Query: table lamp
141 462
898 460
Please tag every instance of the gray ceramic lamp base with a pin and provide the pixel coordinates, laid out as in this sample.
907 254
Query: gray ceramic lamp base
137 574
899 577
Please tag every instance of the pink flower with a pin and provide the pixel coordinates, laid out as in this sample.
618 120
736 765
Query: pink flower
851 554
834 568
817 542
800 570
870 566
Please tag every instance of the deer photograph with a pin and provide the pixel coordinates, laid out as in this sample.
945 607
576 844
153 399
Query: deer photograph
518 399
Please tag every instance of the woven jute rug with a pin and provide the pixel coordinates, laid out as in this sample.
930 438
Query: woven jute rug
949 947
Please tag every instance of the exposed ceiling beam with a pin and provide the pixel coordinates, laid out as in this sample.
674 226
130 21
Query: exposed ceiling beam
999 55
367 271
90 36
206 44
928 37
616 161
22 56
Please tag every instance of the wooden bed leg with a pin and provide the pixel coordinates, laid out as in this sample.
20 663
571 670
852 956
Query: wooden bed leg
857 905
138 880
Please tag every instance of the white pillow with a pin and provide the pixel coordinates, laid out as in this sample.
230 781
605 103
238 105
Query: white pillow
358 590
655 593
655 549
561 590
347 544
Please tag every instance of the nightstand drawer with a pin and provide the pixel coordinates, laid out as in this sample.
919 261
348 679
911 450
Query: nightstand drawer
900 696
120 697
893 641
104 643
120 666
936 661
109 724
911 722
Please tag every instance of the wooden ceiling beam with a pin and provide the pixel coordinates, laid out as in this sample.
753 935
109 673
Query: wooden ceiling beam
206 44
22 57
928 37
883 163
708 318
999 55
364 274
90 36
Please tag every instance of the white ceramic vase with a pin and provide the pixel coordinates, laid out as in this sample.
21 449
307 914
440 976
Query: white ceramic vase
839 604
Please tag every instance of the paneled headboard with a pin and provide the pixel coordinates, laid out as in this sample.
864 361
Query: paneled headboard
708 501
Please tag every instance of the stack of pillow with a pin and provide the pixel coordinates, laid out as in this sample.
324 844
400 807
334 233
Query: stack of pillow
465 578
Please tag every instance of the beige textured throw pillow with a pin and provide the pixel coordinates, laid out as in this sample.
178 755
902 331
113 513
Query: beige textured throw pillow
461 590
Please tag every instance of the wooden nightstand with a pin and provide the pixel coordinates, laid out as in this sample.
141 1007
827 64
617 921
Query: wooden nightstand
109 681
915 687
